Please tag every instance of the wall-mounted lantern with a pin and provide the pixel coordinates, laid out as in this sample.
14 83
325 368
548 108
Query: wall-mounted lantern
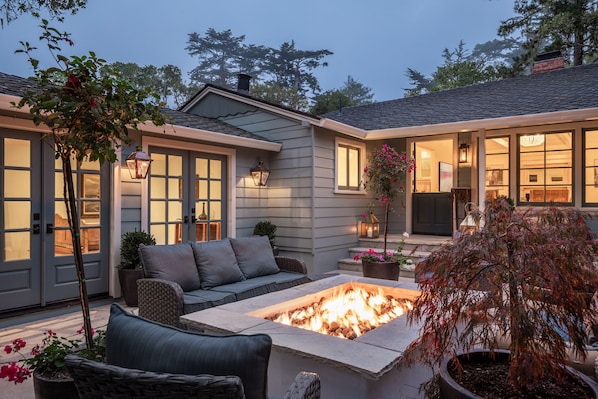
469 225
260 174
463 153
138 163
370 227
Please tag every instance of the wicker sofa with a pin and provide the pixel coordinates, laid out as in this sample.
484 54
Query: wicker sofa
185 278
147 359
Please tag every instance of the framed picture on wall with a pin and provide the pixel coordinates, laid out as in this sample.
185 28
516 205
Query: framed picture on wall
445 176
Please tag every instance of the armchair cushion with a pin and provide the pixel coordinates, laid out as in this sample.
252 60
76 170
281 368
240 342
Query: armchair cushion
171 262
134 342
216 263
254 256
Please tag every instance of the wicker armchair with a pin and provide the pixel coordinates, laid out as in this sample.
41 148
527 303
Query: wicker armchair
104 381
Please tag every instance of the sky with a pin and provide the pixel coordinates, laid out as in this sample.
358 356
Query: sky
373 41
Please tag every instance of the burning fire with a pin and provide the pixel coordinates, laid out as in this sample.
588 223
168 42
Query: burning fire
348 314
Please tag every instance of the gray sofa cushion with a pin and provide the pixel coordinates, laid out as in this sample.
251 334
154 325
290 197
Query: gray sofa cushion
216 263
248 288
134 342
254 256
196 300
171 262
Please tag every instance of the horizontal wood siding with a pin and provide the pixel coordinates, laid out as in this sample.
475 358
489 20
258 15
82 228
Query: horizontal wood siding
130 211
289 201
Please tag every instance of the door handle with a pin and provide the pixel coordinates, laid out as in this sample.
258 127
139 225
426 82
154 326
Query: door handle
185 219
49 228
36 229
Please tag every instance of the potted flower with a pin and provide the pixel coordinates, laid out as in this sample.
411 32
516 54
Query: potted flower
384 265
129 269
384 175
527 279
45 363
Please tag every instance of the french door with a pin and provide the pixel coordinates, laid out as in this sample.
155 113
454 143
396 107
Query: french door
36 255
187 196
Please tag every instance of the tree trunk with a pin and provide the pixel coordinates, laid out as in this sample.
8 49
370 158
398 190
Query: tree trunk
73 218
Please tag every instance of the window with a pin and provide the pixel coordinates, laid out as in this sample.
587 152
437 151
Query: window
590 138
349 165
497 167
546 168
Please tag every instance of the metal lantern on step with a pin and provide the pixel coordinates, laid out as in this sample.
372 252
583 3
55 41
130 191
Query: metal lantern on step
469 225
370 228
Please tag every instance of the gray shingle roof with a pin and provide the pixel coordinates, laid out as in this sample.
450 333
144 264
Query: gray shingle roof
16 86
561 90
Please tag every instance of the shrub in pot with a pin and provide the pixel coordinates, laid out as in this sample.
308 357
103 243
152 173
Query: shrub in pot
267 228
526 275
129 270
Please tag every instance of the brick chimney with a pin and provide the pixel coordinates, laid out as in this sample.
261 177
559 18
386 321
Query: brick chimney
548 62
243 83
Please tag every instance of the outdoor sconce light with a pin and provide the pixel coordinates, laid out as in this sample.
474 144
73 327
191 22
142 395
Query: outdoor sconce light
370 228
463 153
469 225
138 163
260 174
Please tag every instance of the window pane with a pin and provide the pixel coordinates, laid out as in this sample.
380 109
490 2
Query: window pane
159 164
17 153
215 169
497 167
215 192
342 166
175 165
17 214
157 211
202 189
353 167
201 167
175 186
159 233
17 245
16 184
158 187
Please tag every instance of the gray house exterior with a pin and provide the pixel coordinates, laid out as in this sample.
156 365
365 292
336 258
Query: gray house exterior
199 187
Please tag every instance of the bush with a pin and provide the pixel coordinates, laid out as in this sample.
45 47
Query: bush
129 248
266 228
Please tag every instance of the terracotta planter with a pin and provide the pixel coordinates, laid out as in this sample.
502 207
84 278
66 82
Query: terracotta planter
128 284
49 388
381 270
451 389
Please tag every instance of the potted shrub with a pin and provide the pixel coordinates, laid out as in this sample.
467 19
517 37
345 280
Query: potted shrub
384 176
129 269
525 278
267 228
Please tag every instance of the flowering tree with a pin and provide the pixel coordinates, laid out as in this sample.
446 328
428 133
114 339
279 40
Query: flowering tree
88 110
384 174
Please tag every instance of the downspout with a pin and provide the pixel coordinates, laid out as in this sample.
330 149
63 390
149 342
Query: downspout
312 196
481 166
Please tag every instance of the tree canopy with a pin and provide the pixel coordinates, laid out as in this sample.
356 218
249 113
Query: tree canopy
12 9
570 26
350 94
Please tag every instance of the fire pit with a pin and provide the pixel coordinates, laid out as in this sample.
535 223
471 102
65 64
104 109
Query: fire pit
349 312
367 366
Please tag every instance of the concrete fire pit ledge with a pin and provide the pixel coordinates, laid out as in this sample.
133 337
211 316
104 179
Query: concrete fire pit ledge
362 366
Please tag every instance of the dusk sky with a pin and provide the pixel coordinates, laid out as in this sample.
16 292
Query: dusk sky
374 41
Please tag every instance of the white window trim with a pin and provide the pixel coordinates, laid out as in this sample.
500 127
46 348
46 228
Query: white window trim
338 141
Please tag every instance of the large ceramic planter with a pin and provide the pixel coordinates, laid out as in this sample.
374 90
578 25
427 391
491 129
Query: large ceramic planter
381 270
128 284
451 389
49 388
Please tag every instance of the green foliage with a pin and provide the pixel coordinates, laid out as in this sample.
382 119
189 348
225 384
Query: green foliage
352 93
12 9
129 248
276 94
547 25
526 275
266 228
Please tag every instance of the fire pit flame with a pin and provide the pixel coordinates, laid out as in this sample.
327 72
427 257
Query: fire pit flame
347 314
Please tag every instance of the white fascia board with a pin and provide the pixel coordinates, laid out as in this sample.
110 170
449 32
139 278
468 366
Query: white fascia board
342 128
487 124
175 131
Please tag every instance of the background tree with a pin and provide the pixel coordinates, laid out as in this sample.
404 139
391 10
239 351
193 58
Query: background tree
351 93
290 67
166 81
88 109
219 55
570 26
286 96
461 68
11 9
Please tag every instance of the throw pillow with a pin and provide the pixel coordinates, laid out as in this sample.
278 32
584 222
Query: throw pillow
171 262
216 263
254 256
137 343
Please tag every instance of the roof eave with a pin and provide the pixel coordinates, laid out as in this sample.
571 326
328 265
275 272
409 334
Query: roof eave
578 115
